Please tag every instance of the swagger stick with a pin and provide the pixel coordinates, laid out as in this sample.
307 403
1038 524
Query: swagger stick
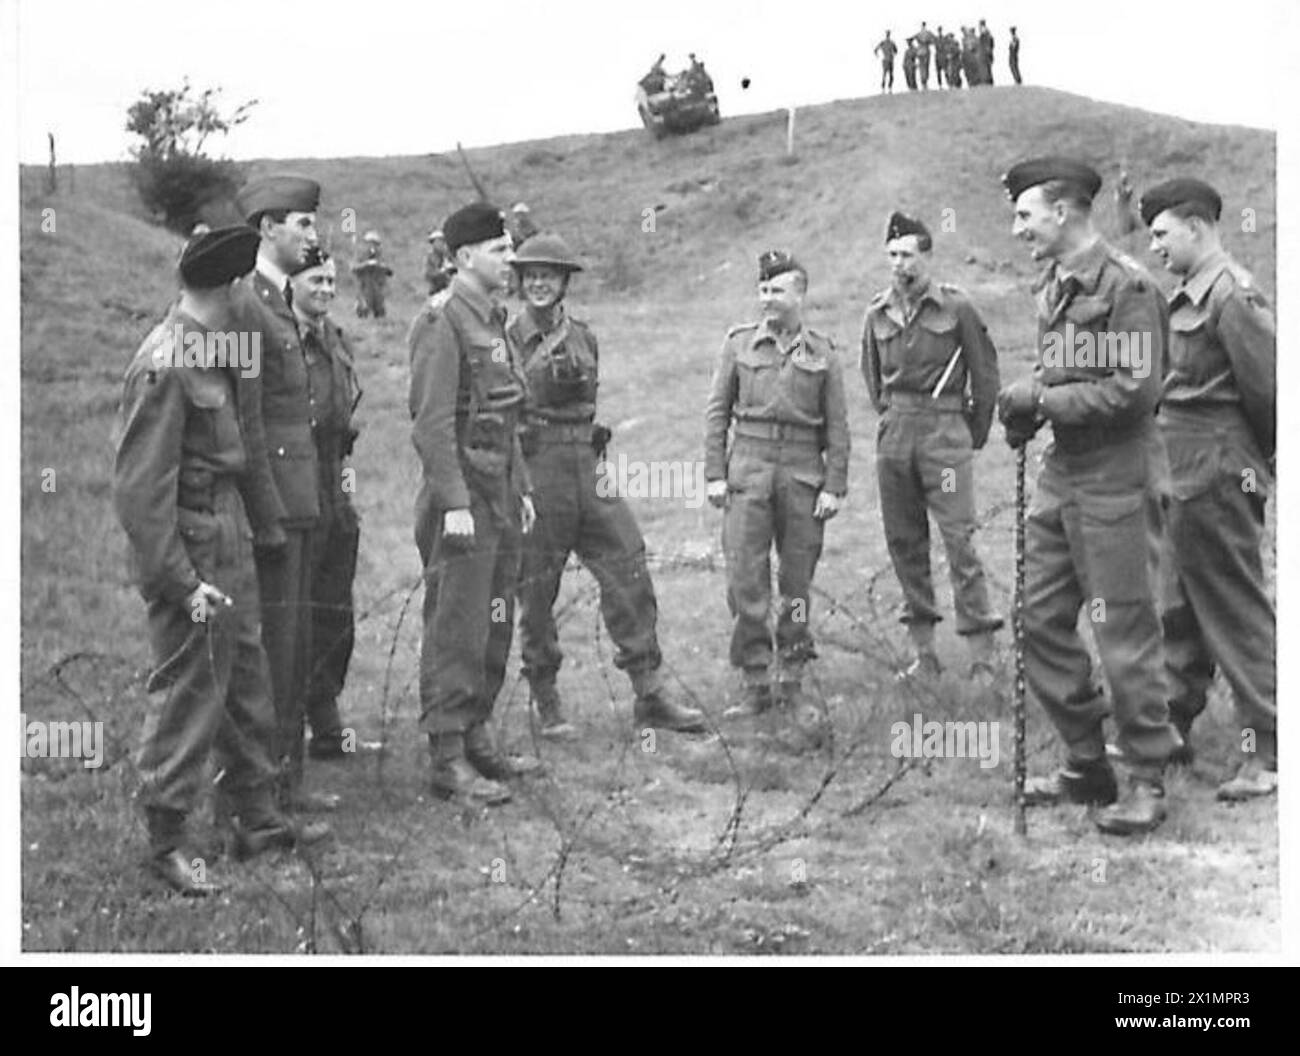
1018 632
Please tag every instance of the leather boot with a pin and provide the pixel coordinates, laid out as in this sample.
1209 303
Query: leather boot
983 672
550 711
755 696
925 661
453 778
1140 809
1184 754
656 707
167 861
807 719
294 799
260 826
484 756
1253 780
1090 782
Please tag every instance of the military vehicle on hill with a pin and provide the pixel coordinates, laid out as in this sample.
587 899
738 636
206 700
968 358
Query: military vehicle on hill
677 104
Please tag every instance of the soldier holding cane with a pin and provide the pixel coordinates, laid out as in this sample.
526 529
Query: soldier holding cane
1097 502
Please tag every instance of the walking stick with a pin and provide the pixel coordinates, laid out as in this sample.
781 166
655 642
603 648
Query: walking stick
1018 632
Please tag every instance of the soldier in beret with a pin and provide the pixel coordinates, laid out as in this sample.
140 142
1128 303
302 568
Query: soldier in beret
561 361
779 384
282 209
932 373
467 400
1218 417
335 393
184 490
1103 327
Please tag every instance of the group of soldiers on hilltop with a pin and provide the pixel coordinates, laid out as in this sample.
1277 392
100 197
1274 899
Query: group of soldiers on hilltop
234 492
970 59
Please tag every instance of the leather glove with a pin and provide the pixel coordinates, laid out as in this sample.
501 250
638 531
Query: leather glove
601 435
1019 399
1021 430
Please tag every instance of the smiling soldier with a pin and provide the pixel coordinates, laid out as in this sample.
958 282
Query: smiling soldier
779 384
1096 506
1218 416
561 362
335 393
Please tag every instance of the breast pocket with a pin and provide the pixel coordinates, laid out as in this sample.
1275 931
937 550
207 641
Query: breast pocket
1088 313
1192 352
213 415
807 379
756 376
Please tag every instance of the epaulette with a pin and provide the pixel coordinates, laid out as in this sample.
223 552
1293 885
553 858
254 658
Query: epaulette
1135 271
1234 279
425 317
1243 278
1124 260
954 289
740 328
880 299
830 341
156 353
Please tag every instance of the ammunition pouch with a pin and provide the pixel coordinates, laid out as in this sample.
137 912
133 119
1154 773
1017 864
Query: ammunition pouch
490 429
196 490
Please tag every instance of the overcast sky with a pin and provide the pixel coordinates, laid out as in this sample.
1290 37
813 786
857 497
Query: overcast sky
379 77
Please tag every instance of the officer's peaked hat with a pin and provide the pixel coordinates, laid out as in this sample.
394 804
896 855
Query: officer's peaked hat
280 191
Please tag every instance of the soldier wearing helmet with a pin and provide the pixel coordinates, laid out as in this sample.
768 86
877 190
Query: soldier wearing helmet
439 266
577 514
372 276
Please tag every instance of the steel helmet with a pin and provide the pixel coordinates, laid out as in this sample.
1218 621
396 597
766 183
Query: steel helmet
546 248
371 236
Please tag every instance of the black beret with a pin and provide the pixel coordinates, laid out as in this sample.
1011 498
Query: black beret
282 190
1019 178
478 222
1177 192
901 224
777 262
314 259
216 257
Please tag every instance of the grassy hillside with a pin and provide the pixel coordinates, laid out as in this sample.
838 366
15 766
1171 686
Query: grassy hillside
727 845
